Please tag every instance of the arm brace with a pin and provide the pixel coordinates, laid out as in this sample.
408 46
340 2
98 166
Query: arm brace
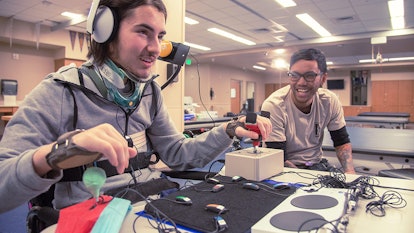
340 136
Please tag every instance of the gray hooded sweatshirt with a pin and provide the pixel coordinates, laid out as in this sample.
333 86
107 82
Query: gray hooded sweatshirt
49 111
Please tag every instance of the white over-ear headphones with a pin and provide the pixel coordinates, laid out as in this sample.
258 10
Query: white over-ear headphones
102 22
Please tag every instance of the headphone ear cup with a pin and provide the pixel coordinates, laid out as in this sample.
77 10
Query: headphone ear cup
105 24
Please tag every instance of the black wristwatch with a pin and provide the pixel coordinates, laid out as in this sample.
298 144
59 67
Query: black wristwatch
66 154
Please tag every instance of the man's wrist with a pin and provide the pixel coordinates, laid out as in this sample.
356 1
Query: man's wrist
39 160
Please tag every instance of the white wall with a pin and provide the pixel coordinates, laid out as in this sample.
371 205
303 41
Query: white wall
198 82
29 69
393 73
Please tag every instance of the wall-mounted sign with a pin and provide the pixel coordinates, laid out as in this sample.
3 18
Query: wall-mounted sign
233 93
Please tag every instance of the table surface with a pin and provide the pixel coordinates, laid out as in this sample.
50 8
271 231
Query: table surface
8 109
6 117
385 114
381 141
395 220
377 119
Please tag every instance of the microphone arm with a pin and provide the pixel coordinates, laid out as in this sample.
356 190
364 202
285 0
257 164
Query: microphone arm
171 79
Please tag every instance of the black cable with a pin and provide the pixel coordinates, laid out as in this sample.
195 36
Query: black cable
342 221
160 217
272 190
208 175
220 223
199 90
389 187
335 179
187 184
311 220
390 198
216 188
305 175
171 78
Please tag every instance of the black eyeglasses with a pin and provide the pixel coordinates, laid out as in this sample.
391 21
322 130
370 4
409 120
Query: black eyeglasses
308 76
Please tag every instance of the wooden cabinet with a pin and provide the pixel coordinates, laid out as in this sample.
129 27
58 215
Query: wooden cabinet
8 109
378 90
405 93
271 87
393 96
355 110
406 97
7 112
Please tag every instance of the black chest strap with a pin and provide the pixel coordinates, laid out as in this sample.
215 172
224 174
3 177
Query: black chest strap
142 160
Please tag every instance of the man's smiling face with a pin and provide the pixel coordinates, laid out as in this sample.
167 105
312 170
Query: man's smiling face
304 90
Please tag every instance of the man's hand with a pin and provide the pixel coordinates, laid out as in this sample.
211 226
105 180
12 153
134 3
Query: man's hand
290 164
263 123
106 140
103 139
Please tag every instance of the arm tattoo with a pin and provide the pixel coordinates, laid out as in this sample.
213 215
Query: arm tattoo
344 154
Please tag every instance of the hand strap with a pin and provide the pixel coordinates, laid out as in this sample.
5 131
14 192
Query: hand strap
232 125
66 154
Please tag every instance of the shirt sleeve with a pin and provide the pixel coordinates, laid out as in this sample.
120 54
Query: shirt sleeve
337 120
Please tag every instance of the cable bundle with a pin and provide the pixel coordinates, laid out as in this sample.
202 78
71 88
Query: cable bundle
389 198
362 186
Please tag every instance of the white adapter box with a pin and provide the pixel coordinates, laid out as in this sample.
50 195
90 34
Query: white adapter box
258 166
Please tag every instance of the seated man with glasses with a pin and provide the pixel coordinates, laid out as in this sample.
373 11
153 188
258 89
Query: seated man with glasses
302 110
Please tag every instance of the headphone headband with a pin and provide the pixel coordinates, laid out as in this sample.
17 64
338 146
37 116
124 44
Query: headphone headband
91 16
102 22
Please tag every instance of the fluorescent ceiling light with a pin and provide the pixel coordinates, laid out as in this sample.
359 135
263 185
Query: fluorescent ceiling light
280 51
372 60
231 36
190 21
312 23
72 15
396 9
329 63
279 38
398 23
401 59
387 59
367 61
279 63
286 3
379 40
196 46
259 67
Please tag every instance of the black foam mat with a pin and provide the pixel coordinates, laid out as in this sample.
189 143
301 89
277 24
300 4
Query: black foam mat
245 206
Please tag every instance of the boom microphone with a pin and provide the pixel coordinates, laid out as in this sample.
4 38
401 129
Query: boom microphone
166 48
174 53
